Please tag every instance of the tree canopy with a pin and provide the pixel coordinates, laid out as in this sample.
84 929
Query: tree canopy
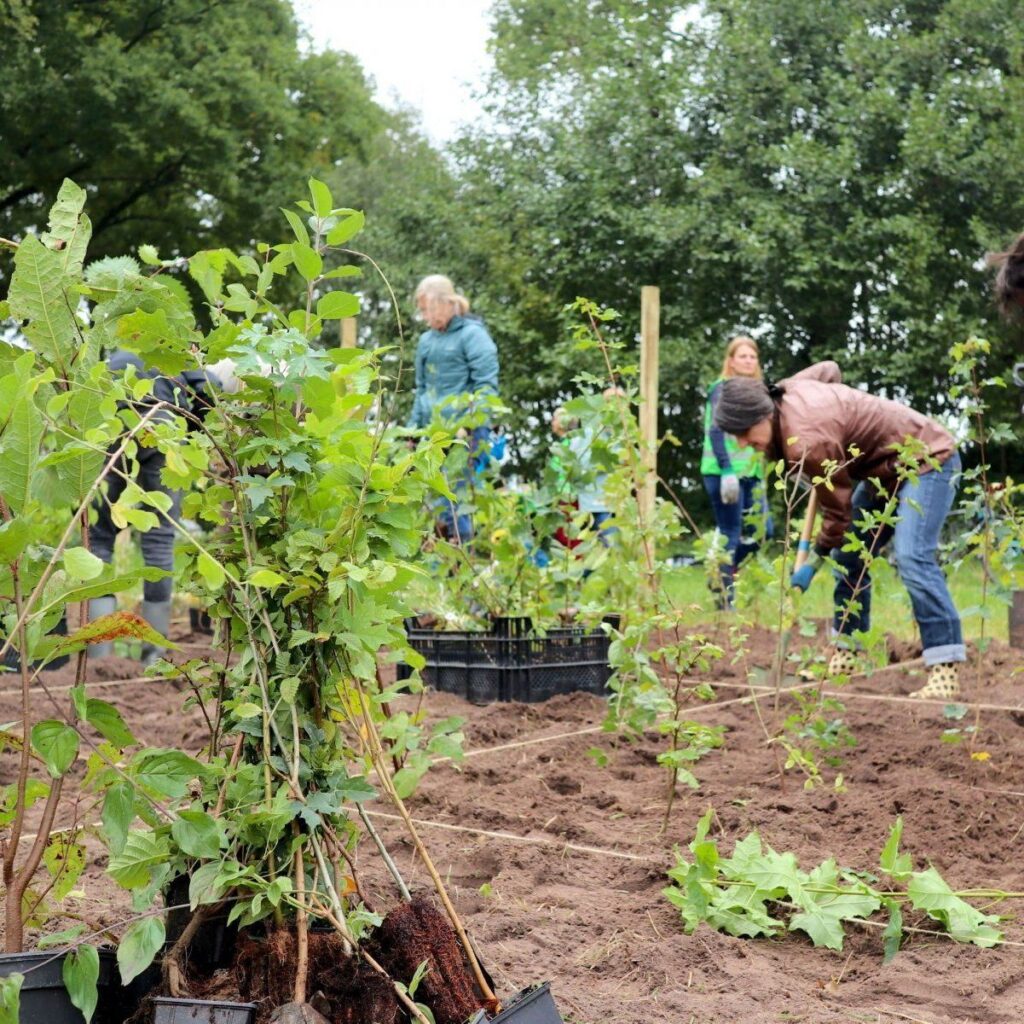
187 121
825 177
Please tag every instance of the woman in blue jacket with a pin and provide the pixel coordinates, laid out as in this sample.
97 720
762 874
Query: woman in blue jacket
733 476
456 360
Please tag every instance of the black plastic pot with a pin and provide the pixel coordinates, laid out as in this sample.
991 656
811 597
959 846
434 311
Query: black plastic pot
214 943
12 661
201 1011
534 1005
45 1000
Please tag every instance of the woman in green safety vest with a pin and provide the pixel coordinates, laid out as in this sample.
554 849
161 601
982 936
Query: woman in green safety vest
733 475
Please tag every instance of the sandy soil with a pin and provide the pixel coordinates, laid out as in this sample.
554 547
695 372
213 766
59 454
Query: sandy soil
558 865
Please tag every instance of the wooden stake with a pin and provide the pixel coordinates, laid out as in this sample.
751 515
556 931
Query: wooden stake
650 316
348 332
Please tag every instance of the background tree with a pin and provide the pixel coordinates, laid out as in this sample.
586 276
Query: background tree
826 178
187 121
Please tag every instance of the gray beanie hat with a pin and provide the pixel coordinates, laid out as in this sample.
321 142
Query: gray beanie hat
743 402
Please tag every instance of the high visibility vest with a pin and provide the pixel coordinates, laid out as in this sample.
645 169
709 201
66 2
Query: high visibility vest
745 461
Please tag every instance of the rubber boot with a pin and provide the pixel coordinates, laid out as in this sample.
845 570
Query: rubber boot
158 615
842 665
943 683
98 607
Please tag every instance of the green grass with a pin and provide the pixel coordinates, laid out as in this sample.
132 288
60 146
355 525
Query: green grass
758 599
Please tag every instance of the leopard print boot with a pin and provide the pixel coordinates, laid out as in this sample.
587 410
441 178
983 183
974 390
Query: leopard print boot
943 683
842 665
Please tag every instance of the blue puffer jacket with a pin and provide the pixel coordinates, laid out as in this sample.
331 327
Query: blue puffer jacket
461 359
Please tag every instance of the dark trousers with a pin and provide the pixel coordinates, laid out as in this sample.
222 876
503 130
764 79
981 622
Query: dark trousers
157 543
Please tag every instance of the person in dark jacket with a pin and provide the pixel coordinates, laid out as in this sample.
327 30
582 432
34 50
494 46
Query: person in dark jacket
733 475
456 360
188 392
849 439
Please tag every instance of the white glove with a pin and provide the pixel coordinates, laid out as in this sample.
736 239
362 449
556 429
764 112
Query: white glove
730 489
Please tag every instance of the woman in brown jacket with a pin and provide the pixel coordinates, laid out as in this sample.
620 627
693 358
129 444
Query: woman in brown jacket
870 450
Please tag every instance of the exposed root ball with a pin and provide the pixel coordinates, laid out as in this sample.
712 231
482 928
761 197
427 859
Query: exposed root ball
418 931
346 991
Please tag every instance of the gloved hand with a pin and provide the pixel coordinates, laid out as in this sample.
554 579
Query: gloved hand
730 489
801 579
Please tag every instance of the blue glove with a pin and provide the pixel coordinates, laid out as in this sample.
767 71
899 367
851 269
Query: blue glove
801 579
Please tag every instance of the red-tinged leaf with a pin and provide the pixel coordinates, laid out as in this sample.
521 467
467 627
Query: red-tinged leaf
118 626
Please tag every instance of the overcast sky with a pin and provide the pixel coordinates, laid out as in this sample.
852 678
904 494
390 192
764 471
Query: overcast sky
430 54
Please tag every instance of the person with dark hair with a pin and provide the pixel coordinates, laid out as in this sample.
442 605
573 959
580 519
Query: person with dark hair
186 393
1009 280
733 476
851 441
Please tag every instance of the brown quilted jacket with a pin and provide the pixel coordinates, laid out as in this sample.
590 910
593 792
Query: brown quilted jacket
819 420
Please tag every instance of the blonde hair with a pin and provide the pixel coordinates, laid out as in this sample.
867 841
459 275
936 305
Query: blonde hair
438 288
730 351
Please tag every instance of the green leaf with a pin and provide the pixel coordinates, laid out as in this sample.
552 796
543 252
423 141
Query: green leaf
928 891
21 432
82 564
892 936
143 851
57 744
139 946
64 859
10 998
167 772
346 228
266 579
40 295
118 814
197 834
15 536
107 721
308 261
823 912
248 709
408 778
322 201
298 228
898 865
211 571
81 971
149 255
336 305
69 228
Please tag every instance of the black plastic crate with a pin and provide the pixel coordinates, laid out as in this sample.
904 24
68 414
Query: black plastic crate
510 662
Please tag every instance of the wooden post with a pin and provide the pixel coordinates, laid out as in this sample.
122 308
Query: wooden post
650 316
348 332
1017 619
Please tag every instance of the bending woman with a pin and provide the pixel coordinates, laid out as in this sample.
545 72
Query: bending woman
733 475
823 428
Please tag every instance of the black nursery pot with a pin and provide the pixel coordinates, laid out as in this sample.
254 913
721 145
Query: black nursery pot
214 944
201 1011
45 1000
534 1005
12 661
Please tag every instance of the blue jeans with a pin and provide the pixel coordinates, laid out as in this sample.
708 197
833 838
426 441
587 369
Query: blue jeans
730 519
455 525
922 509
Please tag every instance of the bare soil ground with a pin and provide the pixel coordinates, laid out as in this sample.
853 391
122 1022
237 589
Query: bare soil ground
557 864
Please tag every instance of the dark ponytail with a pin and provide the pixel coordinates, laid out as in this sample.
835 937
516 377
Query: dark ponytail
1009 283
